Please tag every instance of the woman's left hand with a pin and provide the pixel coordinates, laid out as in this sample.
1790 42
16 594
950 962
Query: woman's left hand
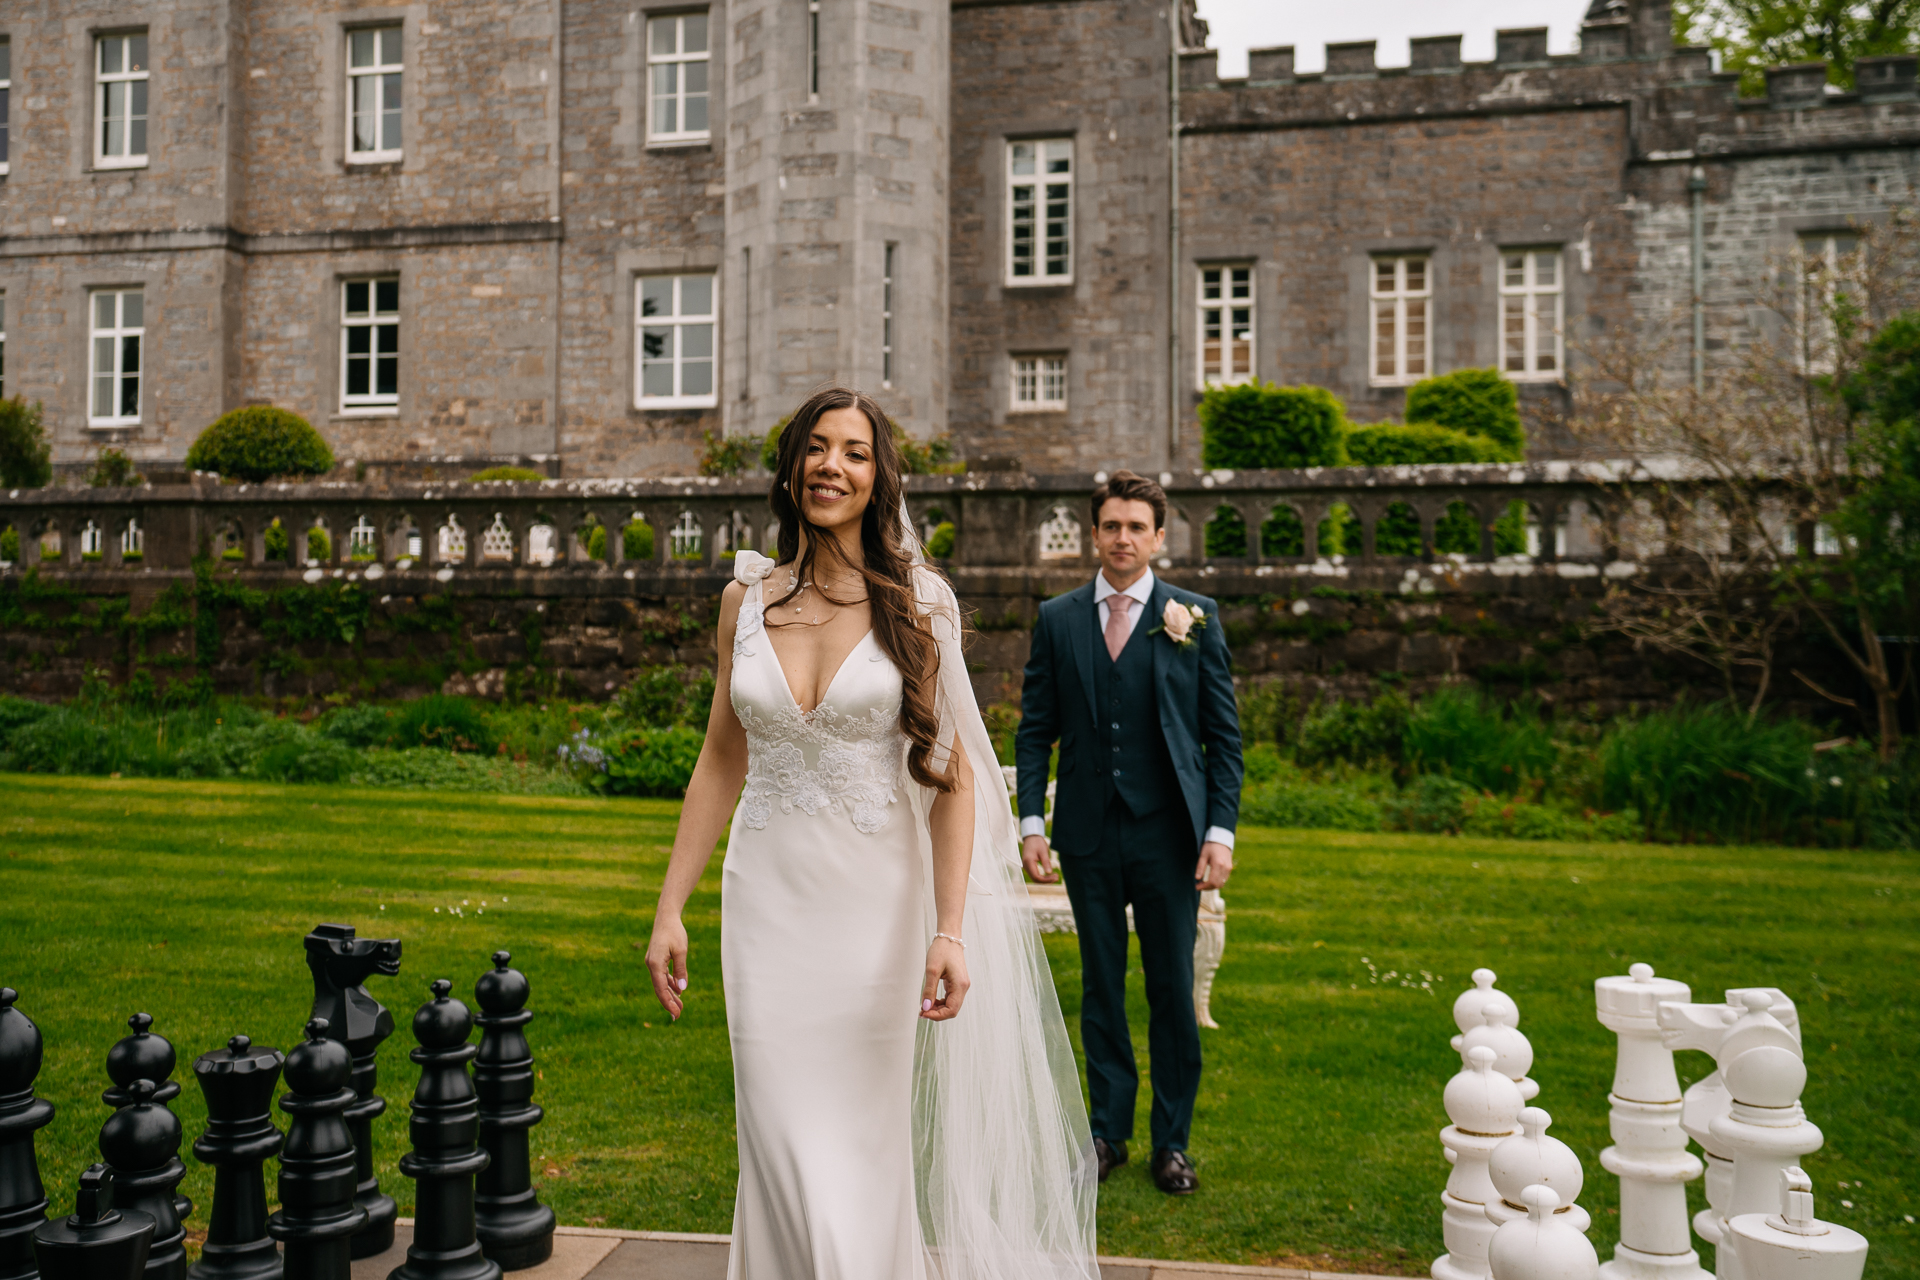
946 966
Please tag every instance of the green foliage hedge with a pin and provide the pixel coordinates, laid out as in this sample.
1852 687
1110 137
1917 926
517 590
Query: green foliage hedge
26 459
1389 444
517 475
259 443
1256 424
1479 402
940 545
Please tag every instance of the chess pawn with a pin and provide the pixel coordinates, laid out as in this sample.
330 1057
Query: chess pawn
1532 1158
1513 1052
341 962
238 1082
1649 1153
97 1242
514 1228
1485 1108
23 1198
1765 1130
1471 1007
141 1142
445 1129
317 1215
1540 1245
145 1056
1793 1244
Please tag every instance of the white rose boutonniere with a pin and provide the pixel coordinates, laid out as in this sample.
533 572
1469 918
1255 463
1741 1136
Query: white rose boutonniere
1180 621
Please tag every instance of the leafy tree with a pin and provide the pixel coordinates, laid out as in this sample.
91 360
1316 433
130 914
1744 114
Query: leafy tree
1256 424
26 460
1752 35
1480 402
259 443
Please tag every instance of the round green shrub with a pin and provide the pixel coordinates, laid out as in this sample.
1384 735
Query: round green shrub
597 543
275 543
636 541
26 460
1479 402
518 475
940 545
9 544
319 545
259 443
1257 424
1389 444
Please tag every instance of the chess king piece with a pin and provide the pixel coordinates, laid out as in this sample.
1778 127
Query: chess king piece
23 1199
1532 1158
1793 1244
141 1142
514 1228
1708 1028
341 964
317 1215
1485 1108
238 1082
145 1056
98 1242
1649 1153
445 1128
1539 1245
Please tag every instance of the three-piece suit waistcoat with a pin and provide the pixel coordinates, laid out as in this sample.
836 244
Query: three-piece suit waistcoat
1133 747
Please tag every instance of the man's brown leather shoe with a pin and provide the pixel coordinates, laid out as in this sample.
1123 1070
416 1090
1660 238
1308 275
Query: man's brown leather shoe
1173 1173
1111 1155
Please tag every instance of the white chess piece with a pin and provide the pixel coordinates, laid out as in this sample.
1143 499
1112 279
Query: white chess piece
1470 1007
1793 1244
1540 1246
1649 1154
1485 1108
1532 1158
1513 1051
1765 1130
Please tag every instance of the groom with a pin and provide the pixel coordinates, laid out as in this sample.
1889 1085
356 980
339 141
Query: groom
1130 675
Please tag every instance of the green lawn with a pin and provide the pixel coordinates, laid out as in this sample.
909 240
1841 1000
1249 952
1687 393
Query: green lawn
1317 1123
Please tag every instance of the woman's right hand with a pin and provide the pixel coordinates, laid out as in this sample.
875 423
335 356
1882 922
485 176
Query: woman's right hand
667 962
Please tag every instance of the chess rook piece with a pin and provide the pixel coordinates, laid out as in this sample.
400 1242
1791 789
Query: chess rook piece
98 1242
514 1228
317 1215
341 964
145 1056
1541 1245
1530 1159
1649 1153
1793 1244
23 1199
141 1143
1484 1106
238 1082
445 1128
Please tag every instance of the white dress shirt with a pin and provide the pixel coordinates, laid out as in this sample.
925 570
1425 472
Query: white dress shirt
1142 592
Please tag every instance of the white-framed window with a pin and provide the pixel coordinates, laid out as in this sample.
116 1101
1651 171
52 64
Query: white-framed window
813 50
3 344
1530 314
370 345
119 332
677 78
673 342
1040 211
1039 384
120 101
1827 265
1226 325
1401 310
6 92
374 70
886 315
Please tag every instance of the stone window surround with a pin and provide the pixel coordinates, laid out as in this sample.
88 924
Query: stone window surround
715 29
372 405
119 329
330 85
628 266
75 299
1004 179
630 130
1197 304
329 357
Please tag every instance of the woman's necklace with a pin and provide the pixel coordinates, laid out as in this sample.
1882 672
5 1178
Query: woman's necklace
799 591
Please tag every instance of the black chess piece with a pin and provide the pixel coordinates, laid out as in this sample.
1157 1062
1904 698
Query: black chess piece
98 1242
141 1142
145 1056
238 1082
514 1228
23 1198
444 1128
317 1216
341 964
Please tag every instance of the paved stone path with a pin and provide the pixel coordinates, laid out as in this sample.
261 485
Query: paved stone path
580 1252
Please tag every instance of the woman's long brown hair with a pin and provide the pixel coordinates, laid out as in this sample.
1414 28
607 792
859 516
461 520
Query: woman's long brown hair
903 632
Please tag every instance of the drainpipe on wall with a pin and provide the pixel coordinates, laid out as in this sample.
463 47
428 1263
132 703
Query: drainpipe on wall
559 213
1173 229
1697 189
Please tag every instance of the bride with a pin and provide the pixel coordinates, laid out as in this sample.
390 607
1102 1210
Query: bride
906 1101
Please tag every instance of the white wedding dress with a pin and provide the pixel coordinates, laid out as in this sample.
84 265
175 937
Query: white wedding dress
874 1145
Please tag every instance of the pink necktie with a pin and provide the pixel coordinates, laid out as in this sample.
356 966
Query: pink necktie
1117 629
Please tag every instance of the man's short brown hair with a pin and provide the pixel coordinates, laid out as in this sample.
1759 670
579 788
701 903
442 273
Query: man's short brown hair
1128 487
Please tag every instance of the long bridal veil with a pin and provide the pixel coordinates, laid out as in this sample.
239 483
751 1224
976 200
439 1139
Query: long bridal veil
1004 1168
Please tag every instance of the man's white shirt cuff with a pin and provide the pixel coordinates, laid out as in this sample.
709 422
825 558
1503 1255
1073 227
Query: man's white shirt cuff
1032 825
1219 835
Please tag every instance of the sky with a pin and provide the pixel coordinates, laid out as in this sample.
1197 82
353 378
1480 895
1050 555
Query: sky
1309 25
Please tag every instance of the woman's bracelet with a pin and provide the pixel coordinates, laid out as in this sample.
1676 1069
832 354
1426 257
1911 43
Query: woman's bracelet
950 938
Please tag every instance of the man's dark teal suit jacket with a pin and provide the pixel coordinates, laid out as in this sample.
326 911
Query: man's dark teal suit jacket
1198 716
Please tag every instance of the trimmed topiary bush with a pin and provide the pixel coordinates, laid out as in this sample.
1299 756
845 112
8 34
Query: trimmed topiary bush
26 460
518 475
1479 402
258 443
1389 444
636 541
1257 424
940 545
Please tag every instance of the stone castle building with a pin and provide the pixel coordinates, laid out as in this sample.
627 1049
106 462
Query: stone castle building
586 233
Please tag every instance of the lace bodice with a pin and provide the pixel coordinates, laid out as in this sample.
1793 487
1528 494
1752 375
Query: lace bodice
846 756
